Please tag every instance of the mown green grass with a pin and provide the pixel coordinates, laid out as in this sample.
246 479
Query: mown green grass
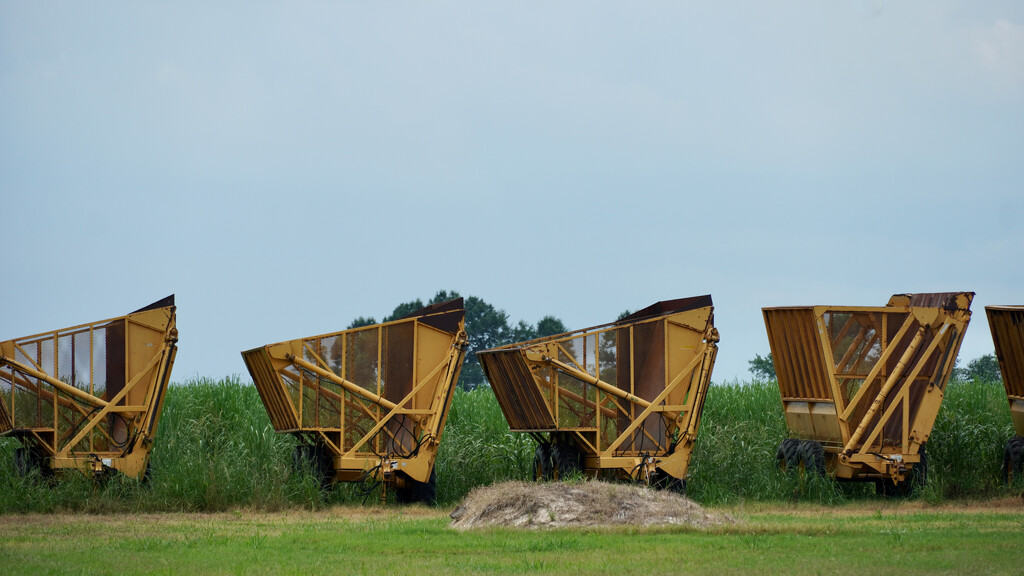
215 450
780 540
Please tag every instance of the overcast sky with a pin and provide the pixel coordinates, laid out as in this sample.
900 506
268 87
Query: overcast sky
285 167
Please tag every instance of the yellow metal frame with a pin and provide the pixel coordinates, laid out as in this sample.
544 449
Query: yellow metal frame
556 388
307 391
867 382
1007 326
73 423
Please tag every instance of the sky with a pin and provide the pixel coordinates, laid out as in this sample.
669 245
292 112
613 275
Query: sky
284 167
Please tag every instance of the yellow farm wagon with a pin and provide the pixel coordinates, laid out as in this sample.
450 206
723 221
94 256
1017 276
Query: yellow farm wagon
861 386
623 399
89 397
369 403
1007 326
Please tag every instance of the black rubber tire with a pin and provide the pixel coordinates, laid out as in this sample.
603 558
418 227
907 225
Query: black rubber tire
918 474
418 492
812 453
566 460
1008 472
1017 457
885 488
1013 460
786 455
22 465
147 476
915 479
792 454
543 466
669 483
315 460
30 459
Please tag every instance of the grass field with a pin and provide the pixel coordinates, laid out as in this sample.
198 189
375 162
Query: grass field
860 538
216 451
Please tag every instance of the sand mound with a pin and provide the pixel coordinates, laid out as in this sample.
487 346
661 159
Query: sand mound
557 504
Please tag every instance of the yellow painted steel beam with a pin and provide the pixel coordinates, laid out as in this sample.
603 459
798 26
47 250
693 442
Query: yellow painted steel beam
398 410
347 385
901 395
886 388
110 405
67 389
20 380
879 364
584 376
651 405
827 356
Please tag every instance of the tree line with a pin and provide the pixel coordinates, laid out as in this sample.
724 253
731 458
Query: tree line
486 326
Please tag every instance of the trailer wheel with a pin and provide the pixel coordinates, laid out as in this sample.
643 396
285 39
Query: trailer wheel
812 453
566 459
418 492
1013 460
29 460
542 466
780 454
669 483
314 460
21 463
918 474
917 478
788 454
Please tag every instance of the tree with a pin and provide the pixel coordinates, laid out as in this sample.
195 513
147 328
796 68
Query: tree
486 326
981 369
763 368
361 321
522 332
404 309
549 326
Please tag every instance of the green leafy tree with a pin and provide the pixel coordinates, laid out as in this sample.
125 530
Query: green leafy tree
361 321
522 332
549 326
486 327
763 368
404 309
981 369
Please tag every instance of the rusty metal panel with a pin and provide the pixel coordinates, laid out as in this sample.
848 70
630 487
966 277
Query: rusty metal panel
1007 326
796 351
513 385
89 396
268 383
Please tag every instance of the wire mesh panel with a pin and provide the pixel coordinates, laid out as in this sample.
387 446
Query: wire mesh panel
617 392
89 396
369 394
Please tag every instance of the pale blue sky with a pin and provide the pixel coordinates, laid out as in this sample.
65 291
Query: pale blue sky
285 167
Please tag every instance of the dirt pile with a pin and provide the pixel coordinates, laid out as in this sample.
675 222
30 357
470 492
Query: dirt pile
558 504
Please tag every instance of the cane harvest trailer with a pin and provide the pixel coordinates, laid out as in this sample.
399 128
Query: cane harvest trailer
622 399
89 397
369 403
1007 326
861 386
